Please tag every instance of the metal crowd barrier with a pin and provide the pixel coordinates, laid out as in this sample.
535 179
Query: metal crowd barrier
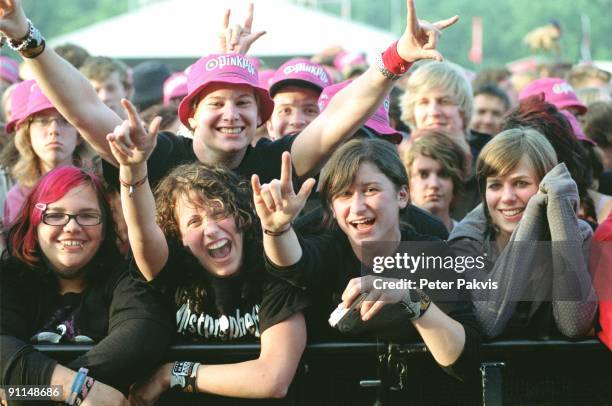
391 366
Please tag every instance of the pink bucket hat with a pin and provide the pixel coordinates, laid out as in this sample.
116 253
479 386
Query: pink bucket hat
300 72
576 127
19 103
37 102
175 86
9 69
379 121
556 91
225 69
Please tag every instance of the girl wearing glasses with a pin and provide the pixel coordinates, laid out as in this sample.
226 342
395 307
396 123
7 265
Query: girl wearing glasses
63 281
204 252
45 141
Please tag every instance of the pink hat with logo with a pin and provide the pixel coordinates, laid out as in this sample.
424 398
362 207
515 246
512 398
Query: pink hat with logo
556 91
175 86
576 127
19 103
9 69
37 102
379 121
300 72
224 69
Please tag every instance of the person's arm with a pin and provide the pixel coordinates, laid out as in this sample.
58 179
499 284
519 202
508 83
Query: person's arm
22 364
444 337
574 299
511 271
139 332
131 146
352 106
69 91
268 376
278 206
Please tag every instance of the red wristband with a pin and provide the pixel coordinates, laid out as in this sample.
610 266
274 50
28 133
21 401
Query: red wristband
394 62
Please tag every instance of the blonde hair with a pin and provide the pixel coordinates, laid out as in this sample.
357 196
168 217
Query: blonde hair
28 169
431 76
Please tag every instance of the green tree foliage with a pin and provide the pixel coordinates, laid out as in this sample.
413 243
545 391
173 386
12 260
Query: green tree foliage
55 17
505 23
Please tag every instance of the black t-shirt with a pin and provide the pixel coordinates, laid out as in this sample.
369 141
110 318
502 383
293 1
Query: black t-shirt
327 265
172 150
123 316
234 308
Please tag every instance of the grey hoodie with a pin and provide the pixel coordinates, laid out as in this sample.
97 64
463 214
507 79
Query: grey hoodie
523 267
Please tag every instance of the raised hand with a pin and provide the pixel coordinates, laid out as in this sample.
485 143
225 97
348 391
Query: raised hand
13 22
420 38
238 39
276 203
130 143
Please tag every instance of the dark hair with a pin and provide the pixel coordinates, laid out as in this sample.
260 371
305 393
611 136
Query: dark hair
338 174
544 117
493 90
22 240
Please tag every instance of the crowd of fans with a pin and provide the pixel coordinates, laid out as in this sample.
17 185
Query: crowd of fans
230 203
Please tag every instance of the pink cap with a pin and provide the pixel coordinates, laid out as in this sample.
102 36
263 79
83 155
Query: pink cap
225 69
19 103
265 76
37 102
379 121
9 69
301 72
576 127
556 91
349 62
175 86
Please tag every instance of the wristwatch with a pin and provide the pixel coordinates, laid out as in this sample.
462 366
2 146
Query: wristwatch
416 303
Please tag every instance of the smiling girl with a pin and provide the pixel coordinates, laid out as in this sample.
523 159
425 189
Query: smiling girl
527 199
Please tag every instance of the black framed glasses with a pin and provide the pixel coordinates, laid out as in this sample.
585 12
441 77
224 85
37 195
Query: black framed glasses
82 219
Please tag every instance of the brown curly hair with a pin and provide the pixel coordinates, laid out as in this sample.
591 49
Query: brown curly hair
210 184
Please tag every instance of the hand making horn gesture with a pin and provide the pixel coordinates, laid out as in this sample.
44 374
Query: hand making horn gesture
276 203
420 38
237 39
130 143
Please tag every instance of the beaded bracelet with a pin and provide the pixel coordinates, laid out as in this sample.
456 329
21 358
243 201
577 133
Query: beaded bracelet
30 46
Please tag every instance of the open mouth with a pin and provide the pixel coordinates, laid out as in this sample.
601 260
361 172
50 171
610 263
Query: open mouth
363 224
219 249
